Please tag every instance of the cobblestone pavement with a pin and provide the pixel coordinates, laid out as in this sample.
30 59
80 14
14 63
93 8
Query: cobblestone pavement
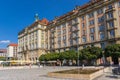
40 74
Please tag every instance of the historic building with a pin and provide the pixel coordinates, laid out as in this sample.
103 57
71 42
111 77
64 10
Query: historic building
97 23
31 40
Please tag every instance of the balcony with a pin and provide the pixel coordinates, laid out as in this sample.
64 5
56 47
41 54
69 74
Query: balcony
111 37
84 34
75 43
74 23
52 37
54 42
59 41
110 10
52 31
75 36
111 28
110 19
75 29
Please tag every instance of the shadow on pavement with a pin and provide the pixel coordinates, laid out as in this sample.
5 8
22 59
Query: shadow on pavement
112 76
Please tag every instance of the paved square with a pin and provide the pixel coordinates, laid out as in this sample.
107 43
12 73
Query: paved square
40 74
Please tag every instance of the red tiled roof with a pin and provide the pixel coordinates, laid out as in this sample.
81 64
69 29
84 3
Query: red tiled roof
13 44
45 21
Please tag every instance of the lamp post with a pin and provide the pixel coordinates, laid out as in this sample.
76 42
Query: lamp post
103 58
78 57
78 54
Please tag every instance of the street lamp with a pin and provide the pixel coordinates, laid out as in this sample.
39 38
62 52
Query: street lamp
103 58
78 54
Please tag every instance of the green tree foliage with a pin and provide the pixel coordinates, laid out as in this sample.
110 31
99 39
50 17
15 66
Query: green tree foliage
41 58
69 55
2 58
112 50
90 53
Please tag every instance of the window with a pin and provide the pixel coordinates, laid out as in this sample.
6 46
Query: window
74 35
71 42
84 39
64 25
59 39
92 30
75 42
36 45
101 19
84 32
65 44
64 31
102 45
100 11
82 17
42 45
102 36
59 27
110 7
91 22
111 24
64 37
84 46
119 13
110 15
101 28
59 33
91 15
70 23
119 3
74 21
112 33
92 37
83 25
74 28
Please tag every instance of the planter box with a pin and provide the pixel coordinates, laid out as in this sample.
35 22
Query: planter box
78 76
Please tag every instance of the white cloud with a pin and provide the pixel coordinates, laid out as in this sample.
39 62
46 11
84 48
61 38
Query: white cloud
4 41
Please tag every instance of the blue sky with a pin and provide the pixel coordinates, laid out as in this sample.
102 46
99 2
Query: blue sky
17 14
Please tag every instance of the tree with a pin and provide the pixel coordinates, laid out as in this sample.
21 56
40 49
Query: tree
90 53
112 50
68 55
42 57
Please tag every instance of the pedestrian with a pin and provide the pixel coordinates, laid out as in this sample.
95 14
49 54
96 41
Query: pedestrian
30 65
38 64
119 64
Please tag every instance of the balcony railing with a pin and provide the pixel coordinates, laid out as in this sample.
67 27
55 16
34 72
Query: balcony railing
111 28
111 37
75 30
110 9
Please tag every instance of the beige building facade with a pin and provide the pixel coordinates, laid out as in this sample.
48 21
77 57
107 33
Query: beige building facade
96 23
31 40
